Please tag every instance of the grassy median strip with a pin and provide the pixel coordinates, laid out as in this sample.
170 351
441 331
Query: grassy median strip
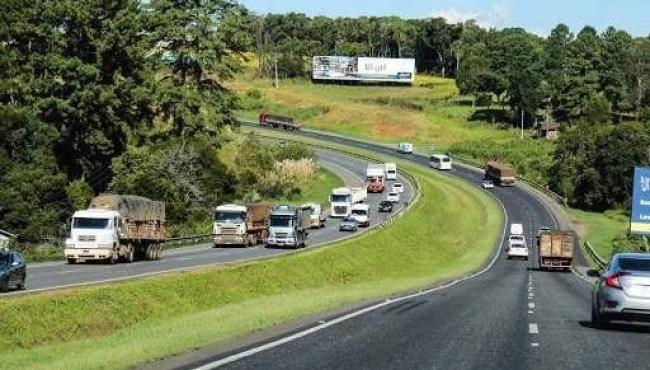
450 231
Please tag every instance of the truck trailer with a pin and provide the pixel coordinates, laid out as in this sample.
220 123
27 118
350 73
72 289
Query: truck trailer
278 122
117 228
241 225
376 178
555 249
500 174
288 227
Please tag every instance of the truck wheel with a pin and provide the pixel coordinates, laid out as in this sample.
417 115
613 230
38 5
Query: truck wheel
159 251
130 254
71 261
148 253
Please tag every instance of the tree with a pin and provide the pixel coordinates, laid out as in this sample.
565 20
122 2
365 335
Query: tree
556 75
616 57
583 64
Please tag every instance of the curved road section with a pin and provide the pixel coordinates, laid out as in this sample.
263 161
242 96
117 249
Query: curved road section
58 275
513 316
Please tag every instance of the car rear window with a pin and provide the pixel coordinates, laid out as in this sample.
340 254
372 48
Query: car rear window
638 264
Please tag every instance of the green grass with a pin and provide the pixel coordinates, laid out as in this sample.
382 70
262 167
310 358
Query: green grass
600 228
450 231
317 191
429 114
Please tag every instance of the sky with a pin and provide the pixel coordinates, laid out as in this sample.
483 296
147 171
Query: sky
535 16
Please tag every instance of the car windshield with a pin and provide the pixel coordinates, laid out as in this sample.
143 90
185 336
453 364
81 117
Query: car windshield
90 223
234 217
339 198
392 194
358 212
280 221
636 264
446 160
5 259
397 185
349 220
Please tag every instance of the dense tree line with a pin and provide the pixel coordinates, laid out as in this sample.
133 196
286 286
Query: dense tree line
292 38
87 87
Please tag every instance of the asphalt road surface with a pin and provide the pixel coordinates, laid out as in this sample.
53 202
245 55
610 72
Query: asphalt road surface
512 316
47 276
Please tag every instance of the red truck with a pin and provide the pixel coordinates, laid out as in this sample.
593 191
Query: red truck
278 122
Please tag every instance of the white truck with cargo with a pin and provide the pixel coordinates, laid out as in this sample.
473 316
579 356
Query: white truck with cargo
391 171
316 216
342 199
288 227
237 225
117 228
376 178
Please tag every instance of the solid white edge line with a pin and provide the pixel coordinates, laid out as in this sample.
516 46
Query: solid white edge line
351 315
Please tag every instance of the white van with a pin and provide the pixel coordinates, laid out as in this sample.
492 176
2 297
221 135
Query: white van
391 171
516 229
361 214
405 148
440 161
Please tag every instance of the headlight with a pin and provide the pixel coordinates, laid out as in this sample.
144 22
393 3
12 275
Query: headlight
70 245
104 245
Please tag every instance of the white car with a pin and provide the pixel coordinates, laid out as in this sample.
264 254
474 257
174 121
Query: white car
487 184
397 187
405 148
516 239
518 250
393 197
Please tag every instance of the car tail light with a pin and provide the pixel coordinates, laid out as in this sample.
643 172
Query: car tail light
612 280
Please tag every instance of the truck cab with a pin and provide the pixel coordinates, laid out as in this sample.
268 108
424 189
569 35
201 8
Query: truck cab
376 178
94 235
287 227
340 200
229 226
361 213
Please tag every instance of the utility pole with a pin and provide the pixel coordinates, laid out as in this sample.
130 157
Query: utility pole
522 123
276 82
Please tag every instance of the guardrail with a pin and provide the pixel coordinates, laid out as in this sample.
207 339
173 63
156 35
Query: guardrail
190 239
595 257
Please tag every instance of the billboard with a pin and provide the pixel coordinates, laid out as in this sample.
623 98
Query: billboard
640 221
363 69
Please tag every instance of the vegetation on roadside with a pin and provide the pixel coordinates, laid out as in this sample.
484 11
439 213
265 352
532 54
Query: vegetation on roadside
137 322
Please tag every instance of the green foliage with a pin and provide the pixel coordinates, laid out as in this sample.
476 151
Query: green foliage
79 193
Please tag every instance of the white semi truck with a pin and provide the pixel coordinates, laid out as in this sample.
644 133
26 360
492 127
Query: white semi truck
117 228
241 225
376 178
288 227
391 171
342 199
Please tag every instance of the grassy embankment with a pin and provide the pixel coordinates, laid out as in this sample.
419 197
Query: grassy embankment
450 231
600 228
430 114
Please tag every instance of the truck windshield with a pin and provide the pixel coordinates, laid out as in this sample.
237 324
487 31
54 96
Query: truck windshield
339 198
280 221
89 223
234 217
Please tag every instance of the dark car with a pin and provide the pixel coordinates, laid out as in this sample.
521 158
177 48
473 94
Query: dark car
385 206
12 271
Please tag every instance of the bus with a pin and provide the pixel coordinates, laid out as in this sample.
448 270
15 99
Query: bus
440 161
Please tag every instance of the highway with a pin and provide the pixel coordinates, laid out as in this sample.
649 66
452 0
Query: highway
48 276
511 316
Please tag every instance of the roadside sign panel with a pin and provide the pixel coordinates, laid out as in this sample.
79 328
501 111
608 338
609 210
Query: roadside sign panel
640 222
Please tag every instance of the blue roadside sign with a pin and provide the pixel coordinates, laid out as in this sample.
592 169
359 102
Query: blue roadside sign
640 222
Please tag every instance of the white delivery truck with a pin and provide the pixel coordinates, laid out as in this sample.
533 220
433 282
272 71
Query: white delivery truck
342 199
240 225
405 148
317 218
391 171
360 212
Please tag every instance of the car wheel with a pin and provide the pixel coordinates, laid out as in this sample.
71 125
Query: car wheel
4 286
598 320
21 286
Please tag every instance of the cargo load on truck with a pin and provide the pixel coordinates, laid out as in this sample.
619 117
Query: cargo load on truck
555 249
278 122
238 225
288 226
316 215
117 227
375 178
500 173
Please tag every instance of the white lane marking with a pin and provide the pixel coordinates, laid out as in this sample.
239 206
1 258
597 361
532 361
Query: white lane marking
534 344
531 305
351 315
533 329
531 312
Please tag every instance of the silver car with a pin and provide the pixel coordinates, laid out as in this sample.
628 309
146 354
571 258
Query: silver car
622 291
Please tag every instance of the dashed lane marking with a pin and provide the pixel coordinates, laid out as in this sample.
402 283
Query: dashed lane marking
533 329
